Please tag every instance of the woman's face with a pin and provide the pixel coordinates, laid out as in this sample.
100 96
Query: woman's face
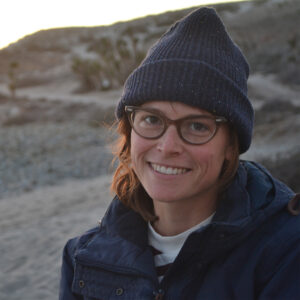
198 166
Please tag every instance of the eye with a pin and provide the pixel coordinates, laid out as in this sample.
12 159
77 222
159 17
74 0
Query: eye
198 126
152 120
147 120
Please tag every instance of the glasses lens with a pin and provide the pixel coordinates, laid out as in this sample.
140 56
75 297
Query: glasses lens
198 130
147 124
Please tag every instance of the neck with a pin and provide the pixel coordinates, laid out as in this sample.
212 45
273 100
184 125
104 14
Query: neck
177 217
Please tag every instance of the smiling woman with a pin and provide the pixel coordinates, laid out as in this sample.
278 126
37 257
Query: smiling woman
189 219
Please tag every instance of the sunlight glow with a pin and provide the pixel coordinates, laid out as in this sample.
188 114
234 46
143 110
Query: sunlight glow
19 18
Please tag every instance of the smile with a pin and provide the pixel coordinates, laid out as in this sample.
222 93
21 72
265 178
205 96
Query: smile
168 170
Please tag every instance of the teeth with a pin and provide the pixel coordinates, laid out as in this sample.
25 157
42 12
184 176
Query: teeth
169 170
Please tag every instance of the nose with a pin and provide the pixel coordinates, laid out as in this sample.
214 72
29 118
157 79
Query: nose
170 142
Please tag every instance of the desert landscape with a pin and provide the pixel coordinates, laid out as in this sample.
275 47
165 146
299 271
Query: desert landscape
58 90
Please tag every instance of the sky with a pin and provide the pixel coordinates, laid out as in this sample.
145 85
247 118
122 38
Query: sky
23 17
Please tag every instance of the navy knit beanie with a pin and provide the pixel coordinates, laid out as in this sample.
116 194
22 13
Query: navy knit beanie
195 62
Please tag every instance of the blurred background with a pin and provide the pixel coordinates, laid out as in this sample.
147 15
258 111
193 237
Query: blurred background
62 68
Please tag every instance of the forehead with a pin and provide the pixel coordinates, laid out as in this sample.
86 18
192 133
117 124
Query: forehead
175 109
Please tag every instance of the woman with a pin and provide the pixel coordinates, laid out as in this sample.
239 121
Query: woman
190 221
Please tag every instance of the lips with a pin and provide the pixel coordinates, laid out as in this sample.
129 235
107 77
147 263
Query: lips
168 170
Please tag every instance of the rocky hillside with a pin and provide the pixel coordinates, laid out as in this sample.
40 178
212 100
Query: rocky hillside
100 58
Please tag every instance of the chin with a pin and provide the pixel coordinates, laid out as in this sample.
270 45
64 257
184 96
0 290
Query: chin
165 197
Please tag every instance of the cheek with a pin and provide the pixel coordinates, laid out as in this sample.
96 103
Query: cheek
210 159
206 159
138 148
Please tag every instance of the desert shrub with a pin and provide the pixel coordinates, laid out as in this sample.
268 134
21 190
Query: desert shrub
101 46
89 73
18 120
227 7
117 59
12 75
134 28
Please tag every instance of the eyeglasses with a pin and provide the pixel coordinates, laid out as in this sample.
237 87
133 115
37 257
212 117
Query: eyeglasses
152 124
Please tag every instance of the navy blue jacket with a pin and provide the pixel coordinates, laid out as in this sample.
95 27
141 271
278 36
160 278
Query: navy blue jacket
250 250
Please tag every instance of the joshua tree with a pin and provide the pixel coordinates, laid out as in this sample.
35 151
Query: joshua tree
12 85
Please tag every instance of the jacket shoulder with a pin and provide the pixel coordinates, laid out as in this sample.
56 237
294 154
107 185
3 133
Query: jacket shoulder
76 243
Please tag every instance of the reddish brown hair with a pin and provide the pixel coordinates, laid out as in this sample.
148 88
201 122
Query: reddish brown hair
127 186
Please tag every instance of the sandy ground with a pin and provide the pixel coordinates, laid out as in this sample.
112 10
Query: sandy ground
63 91
34 229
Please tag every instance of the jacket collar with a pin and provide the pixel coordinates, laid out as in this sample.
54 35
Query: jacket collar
252 193
122 221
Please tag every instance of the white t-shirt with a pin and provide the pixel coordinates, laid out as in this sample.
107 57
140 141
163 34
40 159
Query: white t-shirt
166 248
